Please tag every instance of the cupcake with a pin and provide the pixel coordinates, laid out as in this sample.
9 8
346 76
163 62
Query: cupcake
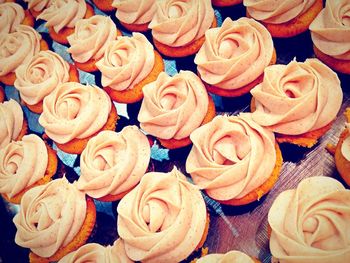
235 160
13 15
178 27
173 107
36 7
113 163
310 223
62 16
25 164
163 219
13 125
224 3
73 113
330 33
135 15
2 94
128 64
104 5
231 256
18 48
40 76
54 219
284 18
233 57
90 39
298 101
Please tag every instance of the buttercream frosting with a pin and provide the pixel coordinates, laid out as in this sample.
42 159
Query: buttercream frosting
162 219
234 54
179 23
298 97
173 106
40 76
126 62
50 217
11 15
11 121
330 30
91 37
345 148
74 110
311 223
277 11
113 163
18 48
232 256
39 5
22 164
135 12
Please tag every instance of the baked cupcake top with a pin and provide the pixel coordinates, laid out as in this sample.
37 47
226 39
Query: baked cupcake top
231 156
22 164
231 256
18 48
234 54
63 13
40 76
277 11
311 223
11 121
298 97
126 62
11 15
74 110
91 37
178 23
162 219
38 5
135 12
345 148
173 107
330 31
113 163
50 216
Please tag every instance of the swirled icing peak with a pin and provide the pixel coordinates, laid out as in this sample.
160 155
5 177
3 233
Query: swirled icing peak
311 223
39 5
135 12
232 256
11 15
298 97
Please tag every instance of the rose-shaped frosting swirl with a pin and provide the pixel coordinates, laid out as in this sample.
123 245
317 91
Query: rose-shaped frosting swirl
50 217
11 121
173 106
18 48
11 15
234 54
162 219
330 31
38 78
39 5
22 164
178 23
113 163
91 37
231 156
126 62
63 13
232 256
131 12
74 110
298 97
277 11
311 223
345 148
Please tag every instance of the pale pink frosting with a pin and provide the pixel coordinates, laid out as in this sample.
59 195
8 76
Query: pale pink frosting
38 78
74 110
11 15
63 13
179 23
277 11
345 148
22 164
135 12
330 31
298 97
173 106
231 156
126 62
311 223
234 54
162 219
113 163
18 48
232 256
50 216
11 121
91 37
39 5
